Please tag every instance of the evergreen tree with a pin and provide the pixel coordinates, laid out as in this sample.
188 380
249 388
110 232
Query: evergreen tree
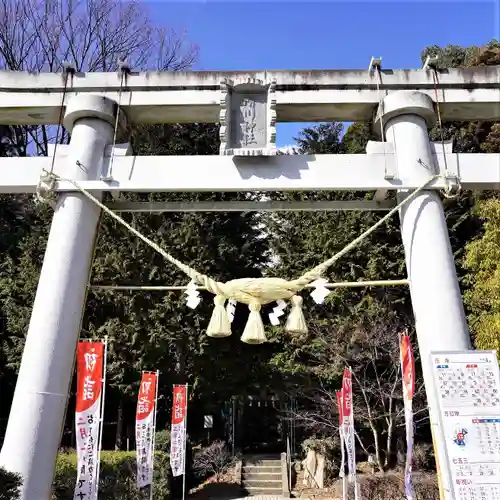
483 262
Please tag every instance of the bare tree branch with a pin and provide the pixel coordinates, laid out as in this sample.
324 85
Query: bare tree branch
372 352
91 34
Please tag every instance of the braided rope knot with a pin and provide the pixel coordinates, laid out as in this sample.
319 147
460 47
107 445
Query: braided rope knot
45 191
258 290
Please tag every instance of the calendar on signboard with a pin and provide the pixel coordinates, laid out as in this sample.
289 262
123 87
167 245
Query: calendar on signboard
468 391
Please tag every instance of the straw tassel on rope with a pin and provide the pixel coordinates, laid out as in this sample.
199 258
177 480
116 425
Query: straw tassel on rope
219 326
254 329
296 322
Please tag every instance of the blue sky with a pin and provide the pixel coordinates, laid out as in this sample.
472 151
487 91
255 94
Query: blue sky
245 35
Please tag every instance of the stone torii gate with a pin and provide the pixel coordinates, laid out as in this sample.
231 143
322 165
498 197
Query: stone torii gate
404 104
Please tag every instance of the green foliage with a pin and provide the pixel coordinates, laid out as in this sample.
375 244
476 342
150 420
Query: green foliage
157 330
483 261
321 139
357 136
162 441
10 485
301 240
117 476
455 56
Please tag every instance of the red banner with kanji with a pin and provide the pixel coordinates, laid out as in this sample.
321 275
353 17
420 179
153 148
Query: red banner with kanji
89 382
408 380
178 431
341 433
347 396
145 423
407 366
348 424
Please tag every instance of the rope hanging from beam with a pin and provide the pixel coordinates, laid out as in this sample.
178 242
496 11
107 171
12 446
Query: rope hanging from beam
176 288
255 292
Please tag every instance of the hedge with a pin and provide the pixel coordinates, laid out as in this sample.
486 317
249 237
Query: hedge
117 477
391 487
9 485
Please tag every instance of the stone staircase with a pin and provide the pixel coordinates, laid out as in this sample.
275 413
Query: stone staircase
261 475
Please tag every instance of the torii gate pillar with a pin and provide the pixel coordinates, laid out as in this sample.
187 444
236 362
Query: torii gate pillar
36 417
435 294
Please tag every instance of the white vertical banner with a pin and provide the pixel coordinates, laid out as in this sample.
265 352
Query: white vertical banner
91 359
342 445
178 431
408 379
145 428
348 428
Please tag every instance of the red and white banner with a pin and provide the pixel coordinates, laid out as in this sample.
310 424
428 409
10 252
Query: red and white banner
348 424
408 378
340 406
89 401
178 431
341 433
145 423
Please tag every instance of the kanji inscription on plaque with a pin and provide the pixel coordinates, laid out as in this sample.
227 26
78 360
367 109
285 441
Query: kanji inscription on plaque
248 118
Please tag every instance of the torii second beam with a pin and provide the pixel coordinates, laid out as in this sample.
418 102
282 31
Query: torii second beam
285 173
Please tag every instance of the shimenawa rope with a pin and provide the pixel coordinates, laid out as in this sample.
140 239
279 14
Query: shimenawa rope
254 292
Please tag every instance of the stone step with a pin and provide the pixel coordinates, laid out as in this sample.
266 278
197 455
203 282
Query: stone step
252 469
260 476
261 463
272 483
263 496
275 492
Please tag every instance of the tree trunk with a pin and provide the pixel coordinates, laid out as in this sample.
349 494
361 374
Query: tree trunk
388 450
378 455
180 362
119 427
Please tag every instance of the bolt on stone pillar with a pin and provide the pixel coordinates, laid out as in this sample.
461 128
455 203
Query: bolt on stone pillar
38 409
435 294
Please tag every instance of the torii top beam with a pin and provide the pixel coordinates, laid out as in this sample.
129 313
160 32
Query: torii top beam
300 96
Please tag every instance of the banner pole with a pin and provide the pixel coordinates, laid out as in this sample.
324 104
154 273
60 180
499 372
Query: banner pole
185 447
342 471
101 419
153 443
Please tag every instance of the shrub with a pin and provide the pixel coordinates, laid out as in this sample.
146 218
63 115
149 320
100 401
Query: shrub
117 479
391 487
162 441
10 484
426 487
214 459
423 457
382 488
